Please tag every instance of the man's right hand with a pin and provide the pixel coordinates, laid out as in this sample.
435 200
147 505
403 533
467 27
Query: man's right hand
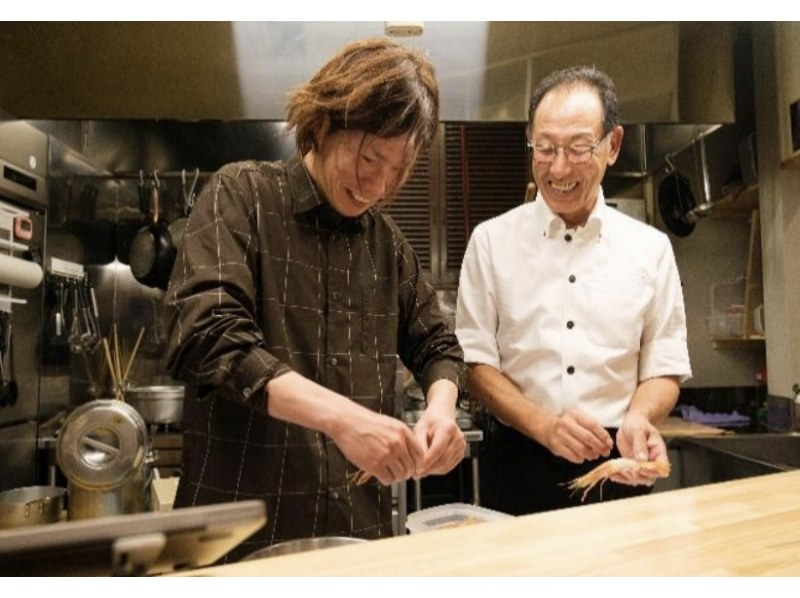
577 437
379 445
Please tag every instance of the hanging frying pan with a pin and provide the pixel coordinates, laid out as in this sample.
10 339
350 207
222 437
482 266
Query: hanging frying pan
676 204
152 252
128 228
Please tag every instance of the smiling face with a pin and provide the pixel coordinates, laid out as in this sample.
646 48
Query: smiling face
355 170
567 115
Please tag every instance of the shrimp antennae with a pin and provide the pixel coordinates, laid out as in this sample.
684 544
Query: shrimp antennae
605 470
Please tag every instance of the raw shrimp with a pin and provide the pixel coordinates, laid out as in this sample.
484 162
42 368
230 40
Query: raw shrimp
359 478
613 466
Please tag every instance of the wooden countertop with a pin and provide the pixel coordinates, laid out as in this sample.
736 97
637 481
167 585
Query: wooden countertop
748 527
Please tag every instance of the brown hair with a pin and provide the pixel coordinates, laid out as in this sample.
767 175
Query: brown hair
377 86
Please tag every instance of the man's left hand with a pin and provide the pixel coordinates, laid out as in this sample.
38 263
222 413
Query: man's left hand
639 439
438 431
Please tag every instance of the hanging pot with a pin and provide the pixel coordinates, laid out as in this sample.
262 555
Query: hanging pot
152 252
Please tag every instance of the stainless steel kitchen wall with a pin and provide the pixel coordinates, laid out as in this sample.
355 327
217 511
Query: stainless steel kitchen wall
24 149
95 206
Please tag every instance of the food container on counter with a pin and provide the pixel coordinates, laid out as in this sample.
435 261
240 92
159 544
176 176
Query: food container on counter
449 516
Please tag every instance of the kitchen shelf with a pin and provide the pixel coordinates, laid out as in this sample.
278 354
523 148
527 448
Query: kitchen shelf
738 342
792 162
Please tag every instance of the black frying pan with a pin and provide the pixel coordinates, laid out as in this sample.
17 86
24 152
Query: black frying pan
152 252
675 203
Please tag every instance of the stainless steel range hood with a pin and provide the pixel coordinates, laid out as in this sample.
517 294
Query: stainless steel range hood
665 71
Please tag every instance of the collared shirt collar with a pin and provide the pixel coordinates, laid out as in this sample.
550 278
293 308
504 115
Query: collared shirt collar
306 198
553 226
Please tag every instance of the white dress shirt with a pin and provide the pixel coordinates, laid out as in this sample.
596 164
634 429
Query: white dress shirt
575 318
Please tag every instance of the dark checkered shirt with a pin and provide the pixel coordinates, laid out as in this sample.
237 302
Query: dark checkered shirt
271 279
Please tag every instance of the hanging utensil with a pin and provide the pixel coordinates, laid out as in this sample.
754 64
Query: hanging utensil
90 313
156 338
178 226
128 227
152 251
75 338
9 390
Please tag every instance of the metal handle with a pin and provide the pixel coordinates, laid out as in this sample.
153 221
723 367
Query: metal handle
100 446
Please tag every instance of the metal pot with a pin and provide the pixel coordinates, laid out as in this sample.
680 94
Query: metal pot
102 450
32 505
157 404
302 545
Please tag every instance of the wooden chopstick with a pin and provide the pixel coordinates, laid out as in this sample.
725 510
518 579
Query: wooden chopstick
110 364
117 363
133 354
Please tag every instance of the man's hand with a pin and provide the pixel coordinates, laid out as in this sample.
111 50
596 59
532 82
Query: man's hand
381 446
438 432
639 439
577 437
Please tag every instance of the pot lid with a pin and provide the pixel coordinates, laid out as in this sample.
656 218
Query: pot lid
675 204
102 444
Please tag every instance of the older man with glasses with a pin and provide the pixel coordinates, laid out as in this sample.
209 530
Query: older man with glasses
571 316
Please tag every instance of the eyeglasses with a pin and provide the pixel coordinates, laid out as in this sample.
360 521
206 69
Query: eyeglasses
576 153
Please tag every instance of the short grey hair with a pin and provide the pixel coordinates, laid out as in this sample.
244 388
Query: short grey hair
580 75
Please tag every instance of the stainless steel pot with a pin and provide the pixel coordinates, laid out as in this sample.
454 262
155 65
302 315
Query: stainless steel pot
31 505
157 404
302 545
102 450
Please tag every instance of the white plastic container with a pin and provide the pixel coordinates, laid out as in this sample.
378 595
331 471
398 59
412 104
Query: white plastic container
450 515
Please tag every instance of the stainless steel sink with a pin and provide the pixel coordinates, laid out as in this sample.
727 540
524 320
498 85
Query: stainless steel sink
705 460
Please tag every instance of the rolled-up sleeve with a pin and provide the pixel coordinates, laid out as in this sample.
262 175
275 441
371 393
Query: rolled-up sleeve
664 350
476 310
214 337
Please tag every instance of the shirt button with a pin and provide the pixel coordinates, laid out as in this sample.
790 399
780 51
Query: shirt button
246 391
335 495
335 295
334 361
570 370
570 324
571 278
568 238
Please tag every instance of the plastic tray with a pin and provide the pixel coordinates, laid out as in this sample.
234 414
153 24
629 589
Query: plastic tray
451 515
